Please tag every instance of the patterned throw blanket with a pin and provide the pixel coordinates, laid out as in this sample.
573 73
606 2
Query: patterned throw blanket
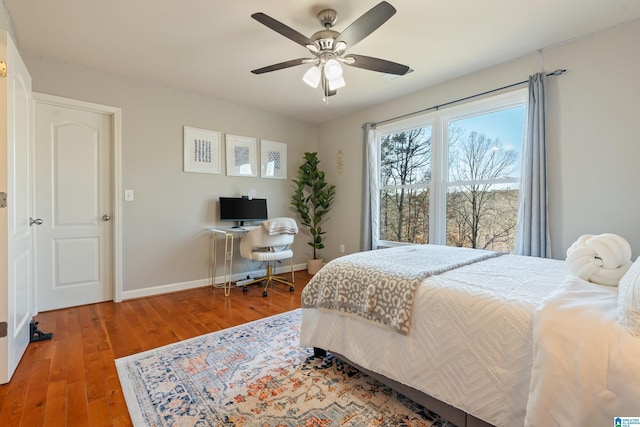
380 285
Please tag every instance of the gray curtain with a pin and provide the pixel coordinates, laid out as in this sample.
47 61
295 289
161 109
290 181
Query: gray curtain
532 230
370 199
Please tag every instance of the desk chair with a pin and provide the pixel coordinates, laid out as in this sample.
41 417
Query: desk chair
270 242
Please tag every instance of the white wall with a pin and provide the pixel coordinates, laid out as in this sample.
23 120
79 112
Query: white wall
593 117
164 241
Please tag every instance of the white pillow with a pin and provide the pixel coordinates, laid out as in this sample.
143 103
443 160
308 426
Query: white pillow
629 299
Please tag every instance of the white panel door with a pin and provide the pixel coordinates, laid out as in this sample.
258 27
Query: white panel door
73 188
16 255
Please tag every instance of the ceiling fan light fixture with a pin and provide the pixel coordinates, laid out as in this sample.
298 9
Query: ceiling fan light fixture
312 76
332 69
336 84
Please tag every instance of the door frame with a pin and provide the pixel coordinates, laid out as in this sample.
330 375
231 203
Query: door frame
116 175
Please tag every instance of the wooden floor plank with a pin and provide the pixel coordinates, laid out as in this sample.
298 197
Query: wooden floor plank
99 414
17 389
71 380
56 404
34 407
75 359
77 405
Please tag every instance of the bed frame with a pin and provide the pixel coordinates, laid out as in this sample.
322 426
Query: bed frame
446 411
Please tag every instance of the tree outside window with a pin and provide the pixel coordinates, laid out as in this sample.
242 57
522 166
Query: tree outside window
405 171
478 187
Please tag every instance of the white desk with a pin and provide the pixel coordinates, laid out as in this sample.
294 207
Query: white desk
229 234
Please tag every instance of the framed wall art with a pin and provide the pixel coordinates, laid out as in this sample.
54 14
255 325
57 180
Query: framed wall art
201 150
241 156
273 159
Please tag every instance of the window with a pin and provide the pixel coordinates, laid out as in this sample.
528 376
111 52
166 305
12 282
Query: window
452 176
405 177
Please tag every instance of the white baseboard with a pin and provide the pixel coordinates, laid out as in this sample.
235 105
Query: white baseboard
176 287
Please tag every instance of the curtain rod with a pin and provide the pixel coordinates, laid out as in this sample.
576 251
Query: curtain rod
436 107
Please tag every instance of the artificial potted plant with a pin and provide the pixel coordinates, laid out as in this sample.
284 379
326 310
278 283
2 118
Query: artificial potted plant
312 200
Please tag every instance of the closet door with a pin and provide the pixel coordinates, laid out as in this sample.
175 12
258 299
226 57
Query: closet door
73 183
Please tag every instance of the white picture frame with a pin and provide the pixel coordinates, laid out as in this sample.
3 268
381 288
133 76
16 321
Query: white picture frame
241 156
273 159
201 150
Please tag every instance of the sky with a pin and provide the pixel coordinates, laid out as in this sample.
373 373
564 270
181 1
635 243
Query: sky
505 125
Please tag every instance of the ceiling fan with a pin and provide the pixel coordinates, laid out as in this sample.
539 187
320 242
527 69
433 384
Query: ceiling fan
329 48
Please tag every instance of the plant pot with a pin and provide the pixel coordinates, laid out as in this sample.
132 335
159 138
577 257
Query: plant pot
314 265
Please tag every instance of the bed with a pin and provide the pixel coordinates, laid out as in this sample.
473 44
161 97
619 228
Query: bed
469 350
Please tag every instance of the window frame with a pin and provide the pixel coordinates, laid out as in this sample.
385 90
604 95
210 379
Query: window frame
439 121
404 125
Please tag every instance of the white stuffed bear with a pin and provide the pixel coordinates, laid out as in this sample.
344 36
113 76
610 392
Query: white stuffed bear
602 259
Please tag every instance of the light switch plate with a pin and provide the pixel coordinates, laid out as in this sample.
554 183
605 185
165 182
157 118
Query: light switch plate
128 195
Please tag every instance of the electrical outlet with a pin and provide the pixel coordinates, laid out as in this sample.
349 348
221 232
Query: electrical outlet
341 248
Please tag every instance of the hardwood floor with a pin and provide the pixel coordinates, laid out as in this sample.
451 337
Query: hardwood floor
71 380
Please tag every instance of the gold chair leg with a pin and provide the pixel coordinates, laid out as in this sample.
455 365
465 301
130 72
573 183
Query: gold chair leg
268 281
271 278
293 277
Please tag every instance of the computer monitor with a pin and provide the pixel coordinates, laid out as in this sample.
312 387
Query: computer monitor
241 209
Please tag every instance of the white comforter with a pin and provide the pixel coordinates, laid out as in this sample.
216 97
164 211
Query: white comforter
470 344
586 369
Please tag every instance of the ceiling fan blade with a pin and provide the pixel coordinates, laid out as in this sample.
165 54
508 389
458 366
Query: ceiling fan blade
367 23
376 64
281 28
281 65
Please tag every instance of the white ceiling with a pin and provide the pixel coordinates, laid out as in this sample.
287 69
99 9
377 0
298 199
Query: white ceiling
208 47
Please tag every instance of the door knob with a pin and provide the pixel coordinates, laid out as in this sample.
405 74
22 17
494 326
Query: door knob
106 217
36 221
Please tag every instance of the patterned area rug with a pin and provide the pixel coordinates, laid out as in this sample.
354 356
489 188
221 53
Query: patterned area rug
257 375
